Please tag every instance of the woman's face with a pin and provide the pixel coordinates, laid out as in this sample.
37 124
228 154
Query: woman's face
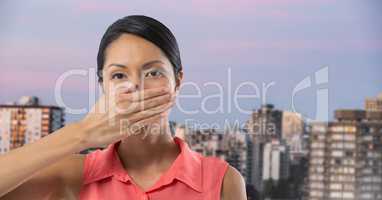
132 61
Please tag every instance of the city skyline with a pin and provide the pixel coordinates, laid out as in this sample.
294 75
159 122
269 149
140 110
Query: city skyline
227 124
285 159
257 40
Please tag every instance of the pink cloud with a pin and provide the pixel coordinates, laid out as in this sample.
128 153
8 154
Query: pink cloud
101 7
262 47
20 80
275 8
32 64
271 8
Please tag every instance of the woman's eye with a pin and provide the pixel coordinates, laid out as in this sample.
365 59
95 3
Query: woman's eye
154 73
118 76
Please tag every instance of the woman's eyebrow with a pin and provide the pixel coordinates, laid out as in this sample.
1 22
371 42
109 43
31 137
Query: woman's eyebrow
144 66
148 64
117 65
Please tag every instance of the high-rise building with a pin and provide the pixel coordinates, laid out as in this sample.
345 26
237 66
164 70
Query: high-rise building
374 104
27 122
276 161
369 158
230 146
346 157
292 132
265 123
269 153
317 144
270 161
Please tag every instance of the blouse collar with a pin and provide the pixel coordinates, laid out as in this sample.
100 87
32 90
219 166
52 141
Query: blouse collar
186 167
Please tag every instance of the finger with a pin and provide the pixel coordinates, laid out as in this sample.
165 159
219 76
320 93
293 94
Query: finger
127 128
134 117
143 94
114 116
132 107
123 125
113 119
139 125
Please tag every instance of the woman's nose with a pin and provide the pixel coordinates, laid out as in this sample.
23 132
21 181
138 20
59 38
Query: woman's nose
126 87
137 82
136 87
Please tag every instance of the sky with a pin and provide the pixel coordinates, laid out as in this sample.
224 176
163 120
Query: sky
261 48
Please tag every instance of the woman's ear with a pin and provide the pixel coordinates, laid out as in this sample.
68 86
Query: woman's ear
178 80
102 87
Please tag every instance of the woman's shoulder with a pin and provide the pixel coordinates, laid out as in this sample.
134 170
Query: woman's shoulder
233 185
228 179
219 175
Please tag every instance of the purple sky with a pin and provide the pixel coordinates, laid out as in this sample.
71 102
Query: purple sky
261 41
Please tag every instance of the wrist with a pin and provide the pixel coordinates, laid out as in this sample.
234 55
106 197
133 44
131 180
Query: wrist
76 136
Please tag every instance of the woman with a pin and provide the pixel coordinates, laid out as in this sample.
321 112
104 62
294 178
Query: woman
139 68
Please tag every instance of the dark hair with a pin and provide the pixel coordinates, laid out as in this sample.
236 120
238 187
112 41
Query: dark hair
147 28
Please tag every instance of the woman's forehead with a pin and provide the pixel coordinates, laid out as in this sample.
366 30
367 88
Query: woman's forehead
133 49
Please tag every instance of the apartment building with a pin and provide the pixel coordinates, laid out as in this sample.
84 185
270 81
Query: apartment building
346 157
27 121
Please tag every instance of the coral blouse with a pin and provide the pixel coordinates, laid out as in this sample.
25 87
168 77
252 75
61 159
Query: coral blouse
190 177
